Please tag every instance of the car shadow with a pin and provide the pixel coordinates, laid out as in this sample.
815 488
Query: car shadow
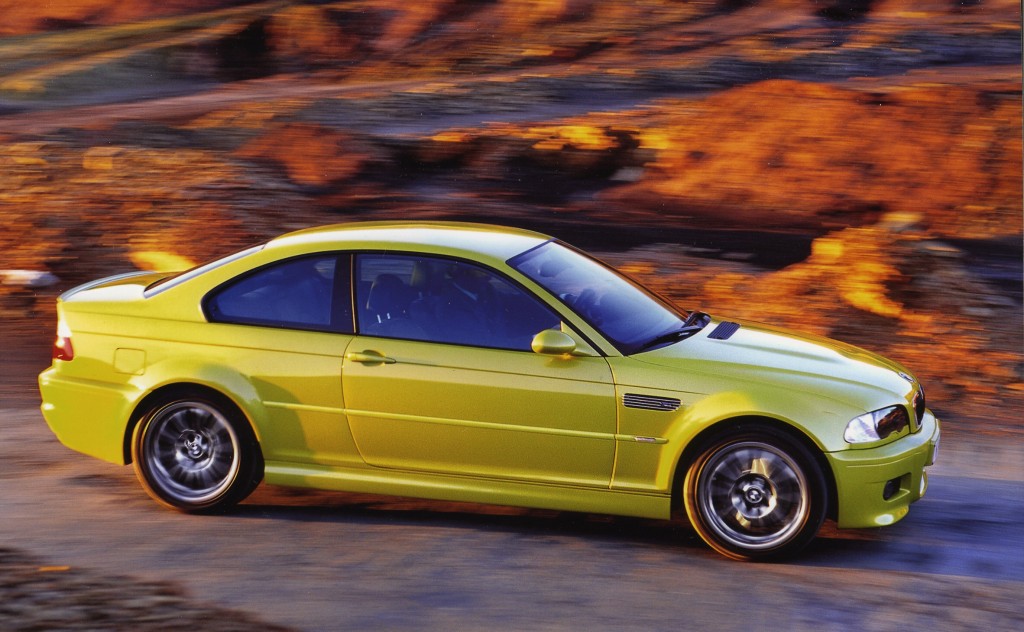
340 507
946 536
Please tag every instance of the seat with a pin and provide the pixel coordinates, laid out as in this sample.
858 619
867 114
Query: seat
387 310
388 298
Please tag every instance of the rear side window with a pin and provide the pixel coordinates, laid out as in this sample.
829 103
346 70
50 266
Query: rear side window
306 293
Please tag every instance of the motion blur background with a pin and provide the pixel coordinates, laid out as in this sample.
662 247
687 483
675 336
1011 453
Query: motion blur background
849 168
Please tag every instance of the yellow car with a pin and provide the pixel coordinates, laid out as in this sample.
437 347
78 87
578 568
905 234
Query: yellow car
476 363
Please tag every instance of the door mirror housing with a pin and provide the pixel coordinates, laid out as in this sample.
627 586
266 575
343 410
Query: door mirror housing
553 342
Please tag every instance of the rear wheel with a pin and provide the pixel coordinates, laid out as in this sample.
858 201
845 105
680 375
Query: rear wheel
195 454
755 494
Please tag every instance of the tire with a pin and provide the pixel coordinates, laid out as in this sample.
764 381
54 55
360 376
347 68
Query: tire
755 494
196 454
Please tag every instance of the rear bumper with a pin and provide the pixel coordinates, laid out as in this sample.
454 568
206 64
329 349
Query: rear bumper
875 487
87 417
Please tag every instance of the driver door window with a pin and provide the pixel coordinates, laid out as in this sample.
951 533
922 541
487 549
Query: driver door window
442 300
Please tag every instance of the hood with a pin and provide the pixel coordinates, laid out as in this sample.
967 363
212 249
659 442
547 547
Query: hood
782 358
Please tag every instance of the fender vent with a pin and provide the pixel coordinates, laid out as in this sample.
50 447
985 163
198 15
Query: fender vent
650 402
724 331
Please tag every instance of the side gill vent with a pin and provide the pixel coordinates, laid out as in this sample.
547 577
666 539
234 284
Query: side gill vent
724 331
650 402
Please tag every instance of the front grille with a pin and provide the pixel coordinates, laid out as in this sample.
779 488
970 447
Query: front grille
919 404
650 402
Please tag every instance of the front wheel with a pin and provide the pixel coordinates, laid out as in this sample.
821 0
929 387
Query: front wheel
755 495
195 454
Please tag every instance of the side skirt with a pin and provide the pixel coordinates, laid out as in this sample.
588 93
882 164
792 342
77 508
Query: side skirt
466 489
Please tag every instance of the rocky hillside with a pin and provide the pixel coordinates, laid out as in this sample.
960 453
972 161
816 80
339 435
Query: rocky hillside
848 168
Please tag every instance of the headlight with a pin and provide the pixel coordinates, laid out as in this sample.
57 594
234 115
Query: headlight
876 425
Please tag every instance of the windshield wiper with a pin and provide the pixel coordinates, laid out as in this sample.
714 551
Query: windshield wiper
693 323
696 317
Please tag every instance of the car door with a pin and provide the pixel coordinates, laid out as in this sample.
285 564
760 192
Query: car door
441 378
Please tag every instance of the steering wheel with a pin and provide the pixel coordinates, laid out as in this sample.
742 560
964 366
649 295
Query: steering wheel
586 306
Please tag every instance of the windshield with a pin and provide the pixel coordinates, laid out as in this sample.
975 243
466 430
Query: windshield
625 313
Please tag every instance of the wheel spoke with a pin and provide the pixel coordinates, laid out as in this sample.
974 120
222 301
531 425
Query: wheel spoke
761 465
733 466
167 435
179 422
176 472
205 421
203 478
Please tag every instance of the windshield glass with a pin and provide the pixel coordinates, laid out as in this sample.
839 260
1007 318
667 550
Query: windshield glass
625 313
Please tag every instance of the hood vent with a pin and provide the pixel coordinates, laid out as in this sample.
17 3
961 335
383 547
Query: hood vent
650 402
724 331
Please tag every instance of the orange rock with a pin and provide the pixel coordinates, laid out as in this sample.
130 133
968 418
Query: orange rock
311 155
30 17
307 35
824 152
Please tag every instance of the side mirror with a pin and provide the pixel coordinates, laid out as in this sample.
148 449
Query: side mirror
553 342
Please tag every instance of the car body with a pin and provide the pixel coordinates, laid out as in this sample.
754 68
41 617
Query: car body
476 363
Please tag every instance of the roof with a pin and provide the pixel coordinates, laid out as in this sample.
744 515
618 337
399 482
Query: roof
500 242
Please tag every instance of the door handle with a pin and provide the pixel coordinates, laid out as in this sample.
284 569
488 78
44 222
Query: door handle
369 357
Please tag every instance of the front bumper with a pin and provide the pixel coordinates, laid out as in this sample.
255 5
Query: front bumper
875 487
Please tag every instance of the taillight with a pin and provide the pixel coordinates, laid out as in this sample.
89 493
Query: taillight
62 347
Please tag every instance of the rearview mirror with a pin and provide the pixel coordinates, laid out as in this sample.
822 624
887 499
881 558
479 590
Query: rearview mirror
553 342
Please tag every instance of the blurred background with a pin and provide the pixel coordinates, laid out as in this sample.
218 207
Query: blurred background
849 168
